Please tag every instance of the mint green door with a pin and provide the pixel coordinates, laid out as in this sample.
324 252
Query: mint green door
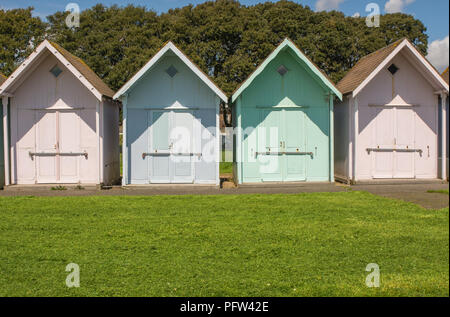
281 144
270 138
294 144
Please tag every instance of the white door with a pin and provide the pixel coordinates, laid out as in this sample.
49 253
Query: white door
69 146
384 138
58 148
182 147
394 143
404 143
159 154
171 147
46 147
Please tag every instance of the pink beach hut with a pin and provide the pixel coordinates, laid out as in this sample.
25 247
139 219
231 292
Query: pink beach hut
387 126
63 123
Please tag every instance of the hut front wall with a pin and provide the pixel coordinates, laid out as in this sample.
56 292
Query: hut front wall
289 113
49 112
416 127
158 104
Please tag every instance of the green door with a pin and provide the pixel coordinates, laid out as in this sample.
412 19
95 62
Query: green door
281 142
294 143
270 137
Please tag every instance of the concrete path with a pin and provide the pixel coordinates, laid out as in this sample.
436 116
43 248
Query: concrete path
416 193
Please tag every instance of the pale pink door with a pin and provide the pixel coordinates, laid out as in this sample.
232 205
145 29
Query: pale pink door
404 143
58 149
383 155
46 147
69 147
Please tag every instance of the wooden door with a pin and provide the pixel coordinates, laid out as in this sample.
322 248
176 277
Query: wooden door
404 143
182 147
46 147
294 143
69 147
270 146
384 139
159 149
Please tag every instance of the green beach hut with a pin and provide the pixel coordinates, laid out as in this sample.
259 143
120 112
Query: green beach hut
283 120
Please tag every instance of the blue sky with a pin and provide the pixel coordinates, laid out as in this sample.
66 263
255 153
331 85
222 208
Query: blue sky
434 14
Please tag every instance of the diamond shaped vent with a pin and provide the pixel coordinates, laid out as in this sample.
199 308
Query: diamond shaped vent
56 71
282 70
172 71
393 69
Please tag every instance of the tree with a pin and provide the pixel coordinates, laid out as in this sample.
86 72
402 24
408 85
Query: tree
20 33
226 39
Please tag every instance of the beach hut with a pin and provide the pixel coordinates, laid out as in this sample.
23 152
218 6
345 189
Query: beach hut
444 114
2 157
387 125
63 123
171 123
283 117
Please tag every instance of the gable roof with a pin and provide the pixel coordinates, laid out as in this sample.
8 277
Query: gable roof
2 78
445 75
79 69
86 71
287 43
369 66
192 66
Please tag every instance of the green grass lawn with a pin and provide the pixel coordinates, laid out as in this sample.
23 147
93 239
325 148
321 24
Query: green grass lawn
252 245
445 192
226 167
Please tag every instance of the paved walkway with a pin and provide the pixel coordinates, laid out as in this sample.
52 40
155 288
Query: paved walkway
416 193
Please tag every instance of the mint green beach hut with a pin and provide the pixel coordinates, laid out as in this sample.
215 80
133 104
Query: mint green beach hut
283 119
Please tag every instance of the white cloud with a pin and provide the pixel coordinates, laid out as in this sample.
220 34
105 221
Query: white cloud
393 6
438 54
356 15
322 5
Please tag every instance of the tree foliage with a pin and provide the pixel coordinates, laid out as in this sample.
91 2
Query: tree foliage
226 39
20 32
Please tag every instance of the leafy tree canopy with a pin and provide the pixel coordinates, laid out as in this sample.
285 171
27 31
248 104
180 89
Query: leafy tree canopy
226 39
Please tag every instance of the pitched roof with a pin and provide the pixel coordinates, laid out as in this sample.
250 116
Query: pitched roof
364 67
2 78
185 59
75 65
287 43
445 75
86 71
369 66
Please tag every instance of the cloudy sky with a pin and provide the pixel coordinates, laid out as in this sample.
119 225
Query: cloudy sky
434 14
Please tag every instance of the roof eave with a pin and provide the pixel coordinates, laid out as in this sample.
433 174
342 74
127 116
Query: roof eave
191 65
273 55
33 56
